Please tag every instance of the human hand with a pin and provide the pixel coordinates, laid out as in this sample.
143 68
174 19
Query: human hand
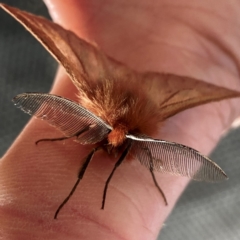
153 37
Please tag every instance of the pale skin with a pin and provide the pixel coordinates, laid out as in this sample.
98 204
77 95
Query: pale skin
198 39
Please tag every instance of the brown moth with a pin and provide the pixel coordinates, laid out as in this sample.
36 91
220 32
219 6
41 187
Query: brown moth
112 113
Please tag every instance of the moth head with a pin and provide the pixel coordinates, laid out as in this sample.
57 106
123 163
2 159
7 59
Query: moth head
117 136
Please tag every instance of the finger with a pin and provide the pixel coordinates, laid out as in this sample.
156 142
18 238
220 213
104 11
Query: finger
149 207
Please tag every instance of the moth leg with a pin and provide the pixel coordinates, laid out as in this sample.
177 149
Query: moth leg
63 138
80 176
117 164
153 176
158 187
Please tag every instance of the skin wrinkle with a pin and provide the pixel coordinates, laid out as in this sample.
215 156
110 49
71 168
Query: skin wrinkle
100 224
199 33
222 120
127 5
140 176
145 185
130 7
215 42
93 18
182 130
83 216
230 54
182 48
211 138
142 34
149 185
203 10
142 37
147 6
18 214
216 110
211 56
149 231
232 114
55 228
193 53
159 198
122 192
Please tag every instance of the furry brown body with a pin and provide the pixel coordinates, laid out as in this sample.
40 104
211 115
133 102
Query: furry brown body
123 105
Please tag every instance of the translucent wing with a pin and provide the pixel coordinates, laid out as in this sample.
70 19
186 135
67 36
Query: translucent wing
66 115
176 159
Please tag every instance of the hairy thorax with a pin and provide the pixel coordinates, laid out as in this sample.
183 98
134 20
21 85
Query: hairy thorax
122 104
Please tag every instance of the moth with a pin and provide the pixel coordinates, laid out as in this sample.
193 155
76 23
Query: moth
118 108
